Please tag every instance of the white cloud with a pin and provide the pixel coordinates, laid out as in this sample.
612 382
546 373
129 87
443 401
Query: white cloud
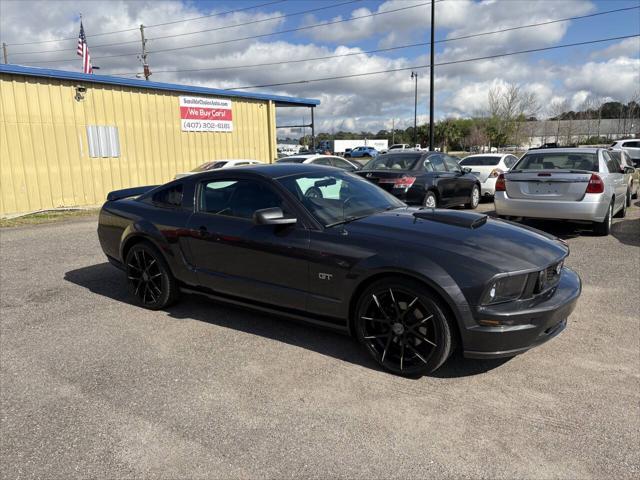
617 78
629 47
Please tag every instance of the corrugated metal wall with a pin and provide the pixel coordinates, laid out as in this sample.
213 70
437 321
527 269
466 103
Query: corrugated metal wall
44 155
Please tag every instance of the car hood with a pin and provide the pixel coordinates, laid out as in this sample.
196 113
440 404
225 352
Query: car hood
475 241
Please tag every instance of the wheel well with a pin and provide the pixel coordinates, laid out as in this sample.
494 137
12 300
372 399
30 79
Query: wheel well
363 286
133 240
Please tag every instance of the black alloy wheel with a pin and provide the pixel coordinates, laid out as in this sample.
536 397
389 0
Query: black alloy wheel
148 277
403 327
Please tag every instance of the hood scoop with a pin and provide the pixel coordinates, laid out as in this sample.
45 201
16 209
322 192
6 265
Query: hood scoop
452 217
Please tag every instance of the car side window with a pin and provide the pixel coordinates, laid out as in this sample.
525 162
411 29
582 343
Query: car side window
170 197
612 164
236 198
510 161
322 161
452 164
340 163
435 163
631 144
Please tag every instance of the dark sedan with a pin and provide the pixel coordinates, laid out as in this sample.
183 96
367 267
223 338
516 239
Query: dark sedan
325 246
431 179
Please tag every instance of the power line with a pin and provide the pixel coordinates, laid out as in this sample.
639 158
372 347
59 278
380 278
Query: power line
441 64
224 27
151 26
378 50
307 27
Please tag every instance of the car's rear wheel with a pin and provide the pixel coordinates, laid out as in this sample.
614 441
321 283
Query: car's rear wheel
430 200
149 279
623 211
474 200
403 327
603 228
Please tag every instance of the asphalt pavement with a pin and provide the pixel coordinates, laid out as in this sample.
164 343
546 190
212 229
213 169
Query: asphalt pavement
92 386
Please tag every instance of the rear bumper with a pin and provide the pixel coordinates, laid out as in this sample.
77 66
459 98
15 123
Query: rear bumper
592 208
525 326
488 187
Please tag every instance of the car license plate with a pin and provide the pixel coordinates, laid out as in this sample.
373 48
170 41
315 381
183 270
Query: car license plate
543 189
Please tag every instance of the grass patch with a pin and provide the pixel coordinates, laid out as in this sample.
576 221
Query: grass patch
46 217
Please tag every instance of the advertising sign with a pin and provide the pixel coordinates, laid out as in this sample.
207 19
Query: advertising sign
199 114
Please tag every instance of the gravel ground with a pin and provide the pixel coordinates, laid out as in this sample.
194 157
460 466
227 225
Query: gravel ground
92 386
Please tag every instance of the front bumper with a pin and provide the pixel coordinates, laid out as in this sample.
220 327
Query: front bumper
526 324
593 207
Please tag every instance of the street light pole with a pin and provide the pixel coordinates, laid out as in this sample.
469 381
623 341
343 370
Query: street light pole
415 110
433 14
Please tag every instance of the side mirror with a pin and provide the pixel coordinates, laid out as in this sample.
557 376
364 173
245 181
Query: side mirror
466 170
272 216
628 170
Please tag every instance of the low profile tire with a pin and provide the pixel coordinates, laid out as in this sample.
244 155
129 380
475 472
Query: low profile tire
475 198
149 278
629 197
623 211
403 327
430 200
604 228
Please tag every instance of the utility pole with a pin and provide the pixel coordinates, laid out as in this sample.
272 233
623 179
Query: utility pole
145 65
433 23
4 53
313 132
393 130
415 110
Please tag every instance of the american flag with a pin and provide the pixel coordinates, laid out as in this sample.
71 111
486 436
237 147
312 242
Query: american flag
83 51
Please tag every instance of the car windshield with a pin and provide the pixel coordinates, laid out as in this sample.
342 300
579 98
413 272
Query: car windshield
338 197
392 162
558 160
480 161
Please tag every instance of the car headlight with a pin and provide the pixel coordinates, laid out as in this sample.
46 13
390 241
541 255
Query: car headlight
504 289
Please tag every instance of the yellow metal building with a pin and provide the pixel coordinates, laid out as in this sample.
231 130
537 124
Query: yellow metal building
67 139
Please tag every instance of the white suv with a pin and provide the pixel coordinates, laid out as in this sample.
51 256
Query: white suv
631 146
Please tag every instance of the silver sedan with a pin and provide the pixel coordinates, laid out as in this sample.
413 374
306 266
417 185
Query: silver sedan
578 184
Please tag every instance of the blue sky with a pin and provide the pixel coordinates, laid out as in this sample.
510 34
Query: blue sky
573 75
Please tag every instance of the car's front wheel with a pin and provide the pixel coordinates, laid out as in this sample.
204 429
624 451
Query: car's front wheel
474 200
149 279
403 327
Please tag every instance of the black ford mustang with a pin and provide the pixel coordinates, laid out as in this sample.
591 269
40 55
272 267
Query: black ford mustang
326 246
431 179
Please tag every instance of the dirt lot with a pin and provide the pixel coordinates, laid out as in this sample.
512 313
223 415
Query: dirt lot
95 387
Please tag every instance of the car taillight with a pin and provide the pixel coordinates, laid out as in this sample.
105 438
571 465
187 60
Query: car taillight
495 173
595 185
402 182
500 185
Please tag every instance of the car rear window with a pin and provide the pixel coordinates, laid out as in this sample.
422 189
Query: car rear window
480 161
558 160
392 162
